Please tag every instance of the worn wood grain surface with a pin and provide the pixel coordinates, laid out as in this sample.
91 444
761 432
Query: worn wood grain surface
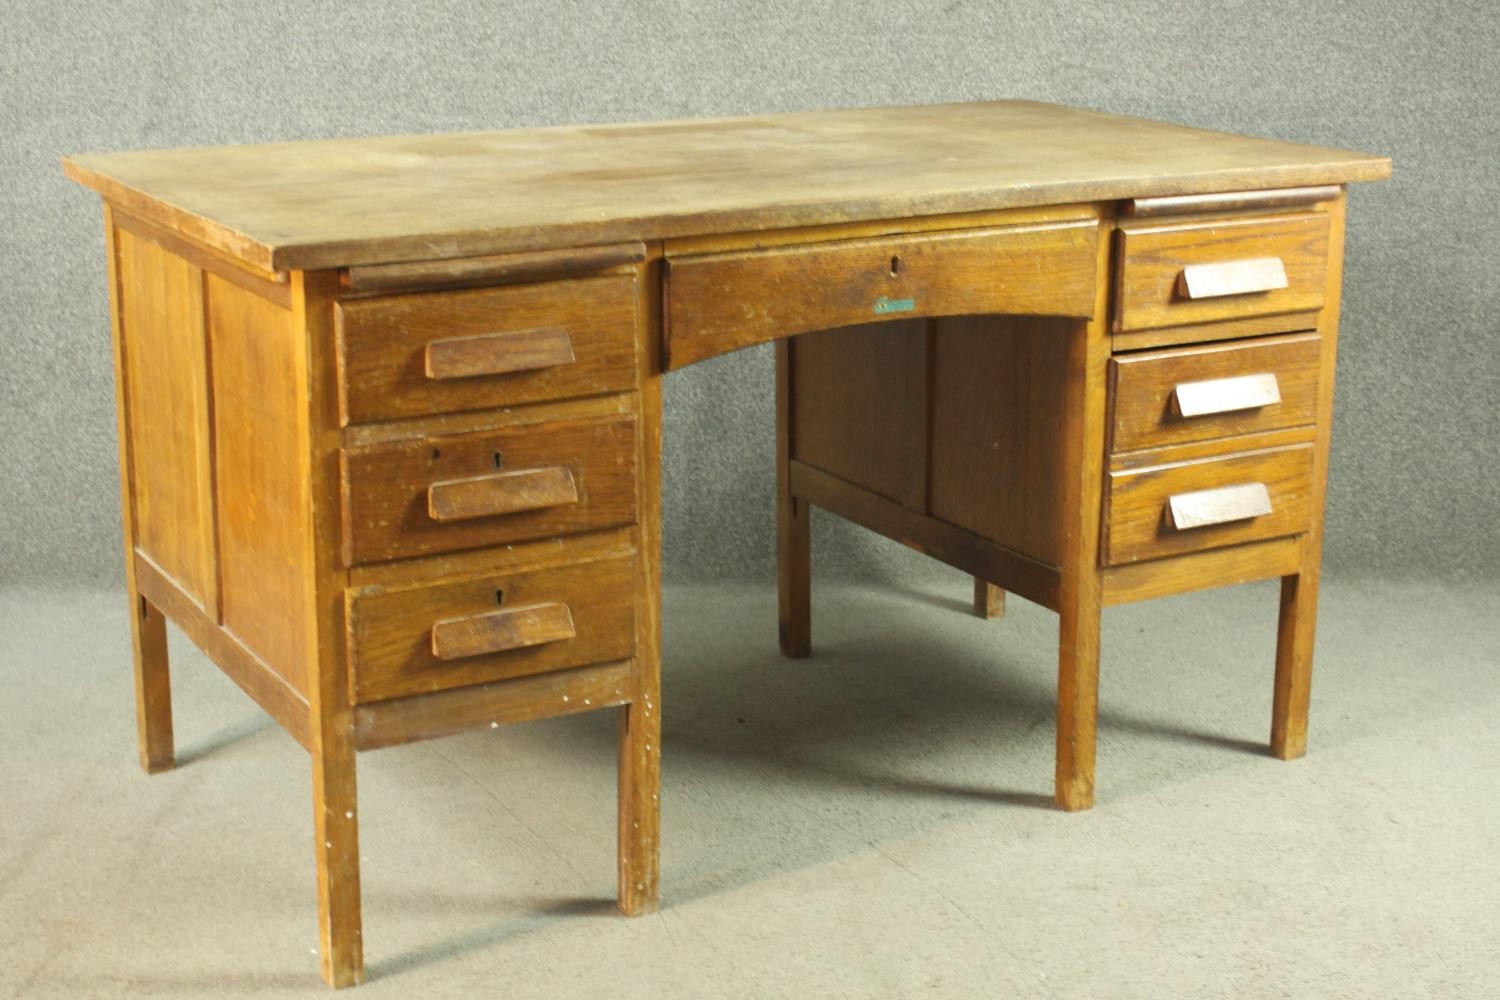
343 202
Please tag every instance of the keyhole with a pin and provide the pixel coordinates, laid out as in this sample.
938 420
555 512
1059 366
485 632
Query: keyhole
499 597
895 266
497 460
437 453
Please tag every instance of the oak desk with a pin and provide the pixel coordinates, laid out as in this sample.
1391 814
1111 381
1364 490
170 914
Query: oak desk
390 409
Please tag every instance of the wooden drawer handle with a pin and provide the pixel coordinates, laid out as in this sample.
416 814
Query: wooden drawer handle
497 631
1231 277
498 353
1218 506
501 493
1225 395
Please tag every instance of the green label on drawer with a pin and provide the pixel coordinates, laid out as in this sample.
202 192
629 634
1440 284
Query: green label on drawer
885 305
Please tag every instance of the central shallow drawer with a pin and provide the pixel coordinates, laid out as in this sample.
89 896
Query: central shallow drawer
487 487
1216 390
718 302
1204 270
489 628
442 352
1169 509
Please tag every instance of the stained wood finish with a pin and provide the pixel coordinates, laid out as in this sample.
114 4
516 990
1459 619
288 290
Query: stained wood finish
545 696
465 272
511 558
259 396
1201 570
997 395
793 521
501 493
347 202
153 685
1082 401
498 354
332 739
502 321
271 285
501 631
1139 525
726 301
449 424
148 629
638 813
861 407
989 600
1177 454
1154 256
1148 404
387 504
1198 333
1036 581
253 675
1299 592
1230 201
898 226
386 347
955 418
160 312
406 642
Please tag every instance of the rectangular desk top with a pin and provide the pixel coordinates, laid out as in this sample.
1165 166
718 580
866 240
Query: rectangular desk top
343 202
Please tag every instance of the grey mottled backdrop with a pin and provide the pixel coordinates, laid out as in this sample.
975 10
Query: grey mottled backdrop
1417 437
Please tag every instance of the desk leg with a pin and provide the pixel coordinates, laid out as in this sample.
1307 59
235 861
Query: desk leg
153 686
1077 704
793 526
148 627
1294 649
331 709
1080 587
989 600
640 809
1299 593
640 721
336 824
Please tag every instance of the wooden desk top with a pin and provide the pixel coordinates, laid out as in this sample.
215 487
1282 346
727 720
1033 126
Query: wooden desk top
336 203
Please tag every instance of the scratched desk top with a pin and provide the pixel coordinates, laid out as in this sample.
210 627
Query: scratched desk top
343 202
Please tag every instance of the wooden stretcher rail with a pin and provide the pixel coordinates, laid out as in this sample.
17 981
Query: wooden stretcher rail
544 696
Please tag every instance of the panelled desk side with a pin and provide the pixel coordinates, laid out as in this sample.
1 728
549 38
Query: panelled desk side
404 498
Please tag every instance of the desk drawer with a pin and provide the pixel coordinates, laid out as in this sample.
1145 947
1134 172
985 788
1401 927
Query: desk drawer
488 487
489 628
1207 503
719 302
415 355
1179 273
1197 393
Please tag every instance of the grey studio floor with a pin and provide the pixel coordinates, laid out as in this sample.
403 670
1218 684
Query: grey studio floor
872 822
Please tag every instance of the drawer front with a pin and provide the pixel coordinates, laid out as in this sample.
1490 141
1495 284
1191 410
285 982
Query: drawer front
465 491
1178 273
489 628
1203 504
1197 393
723 301
414 355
